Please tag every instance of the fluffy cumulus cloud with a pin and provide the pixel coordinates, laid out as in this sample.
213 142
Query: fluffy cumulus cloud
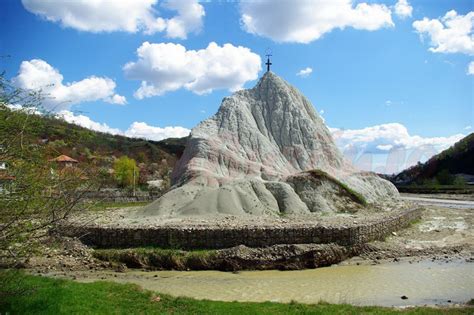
304 72
143 130
453 33
38 75
86 122
168 67
470 68
136 129
381 138
403 9
388 148
307 20
189 18
124 15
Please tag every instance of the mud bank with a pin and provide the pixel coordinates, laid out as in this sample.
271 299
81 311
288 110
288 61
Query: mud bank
278 257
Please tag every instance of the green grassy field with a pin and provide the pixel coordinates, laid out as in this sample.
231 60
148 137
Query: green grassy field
27 294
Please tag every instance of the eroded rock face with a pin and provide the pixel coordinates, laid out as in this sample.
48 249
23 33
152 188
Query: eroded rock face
238 161
266 132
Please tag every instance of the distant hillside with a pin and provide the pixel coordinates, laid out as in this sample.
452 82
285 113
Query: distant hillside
156 159
458 159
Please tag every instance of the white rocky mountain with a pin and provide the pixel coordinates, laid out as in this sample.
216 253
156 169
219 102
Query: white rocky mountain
266 151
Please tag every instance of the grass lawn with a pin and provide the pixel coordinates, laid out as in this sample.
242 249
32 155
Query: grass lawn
40 295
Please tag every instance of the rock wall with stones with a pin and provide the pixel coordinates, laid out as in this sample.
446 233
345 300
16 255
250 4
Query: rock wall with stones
216 238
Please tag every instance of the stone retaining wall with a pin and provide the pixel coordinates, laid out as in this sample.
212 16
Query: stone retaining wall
215 238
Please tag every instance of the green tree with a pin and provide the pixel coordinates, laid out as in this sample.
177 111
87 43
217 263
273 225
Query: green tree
459 181
126 171
445 178
141 157
33 200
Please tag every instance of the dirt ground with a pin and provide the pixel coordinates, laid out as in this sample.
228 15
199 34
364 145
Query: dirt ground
443 233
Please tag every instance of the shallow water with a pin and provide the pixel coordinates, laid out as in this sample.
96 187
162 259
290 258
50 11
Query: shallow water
423 283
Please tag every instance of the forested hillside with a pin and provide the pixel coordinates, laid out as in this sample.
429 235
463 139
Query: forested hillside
458 159
155 159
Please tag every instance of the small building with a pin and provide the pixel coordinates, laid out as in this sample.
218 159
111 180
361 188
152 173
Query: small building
67 167
64 161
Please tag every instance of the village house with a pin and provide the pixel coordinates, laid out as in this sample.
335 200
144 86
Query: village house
64 161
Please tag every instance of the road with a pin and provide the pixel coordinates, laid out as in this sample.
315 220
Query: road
448 203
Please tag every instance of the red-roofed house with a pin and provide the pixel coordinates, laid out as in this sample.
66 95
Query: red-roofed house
64 161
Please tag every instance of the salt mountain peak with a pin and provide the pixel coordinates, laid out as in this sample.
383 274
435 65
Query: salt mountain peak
254 154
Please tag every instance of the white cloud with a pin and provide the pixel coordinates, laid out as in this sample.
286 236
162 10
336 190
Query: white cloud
469 127
143 130
136 129
117 99
450 34
393 134
86 122
168 67
388 148
394 103
121 15
470 68
403 9
189 18
385 147
307 20
305 72
29 109
37 74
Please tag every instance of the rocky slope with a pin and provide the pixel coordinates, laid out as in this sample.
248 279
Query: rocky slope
253 157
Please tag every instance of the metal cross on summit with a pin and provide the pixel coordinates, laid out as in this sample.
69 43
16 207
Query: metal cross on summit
268 63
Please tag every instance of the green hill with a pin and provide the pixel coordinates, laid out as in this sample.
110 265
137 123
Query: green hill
441 168
155 159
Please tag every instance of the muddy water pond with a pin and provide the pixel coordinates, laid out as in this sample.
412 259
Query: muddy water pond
423 283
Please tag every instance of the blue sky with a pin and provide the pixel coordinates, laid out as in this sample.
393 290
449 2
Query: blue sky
363 75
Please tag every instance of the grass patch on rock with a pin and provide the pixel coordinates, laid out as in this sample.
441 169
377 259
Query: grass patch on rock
357 197
55 296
